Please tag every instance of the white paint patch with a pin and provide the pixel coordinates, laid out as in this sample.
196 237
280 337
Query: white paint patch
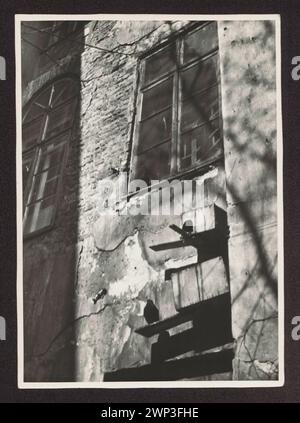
138 272
177 264
126 334
141 305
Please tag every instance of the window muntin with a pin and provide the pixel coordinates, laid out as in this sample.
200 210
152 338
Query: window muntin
178 121
47 128
155 163
159 64
157 98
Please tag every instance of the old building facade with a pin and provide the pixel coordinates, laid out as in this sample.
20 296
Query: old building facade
110 102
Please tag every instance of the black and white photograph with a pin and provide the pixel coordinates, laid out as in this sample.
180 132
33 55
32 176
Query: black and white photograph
149 201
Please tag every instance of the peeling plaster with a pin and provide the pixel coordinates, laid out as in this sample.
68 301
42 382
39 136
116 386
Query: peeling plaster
139 273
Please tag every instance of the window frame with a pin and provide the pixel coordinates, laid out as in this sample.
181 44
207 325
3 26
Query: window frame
42 143
176 172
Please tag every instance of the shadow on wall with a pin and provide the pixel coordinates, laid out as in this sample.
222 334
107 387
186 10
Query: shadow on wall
51 258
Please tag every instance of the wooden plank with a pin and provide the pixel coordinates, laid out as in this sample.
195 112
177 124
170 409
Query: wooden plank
198 282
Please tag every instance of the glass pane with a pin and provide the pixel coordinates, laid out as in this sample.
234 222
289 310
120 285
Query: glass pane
160 63
44 97
199 109
27 163
200 42
60 119
39 215
155 164
34 111
51 155
63 91
38 106
201 145
155 130
44 184
32 133
199 77
157 98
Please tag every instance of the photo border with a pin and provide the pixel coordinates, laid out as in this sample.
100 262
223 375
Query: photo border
280 217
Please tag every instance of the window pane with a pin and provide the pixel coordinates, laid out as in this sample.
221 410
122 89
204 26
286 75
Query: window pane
200 42
201 145
44 184
38 106
27 163
155 164
32 133
63 91
60 119
160 63
51 155
44 98
39 215
199 109
34 111
155 130
199 77
157 98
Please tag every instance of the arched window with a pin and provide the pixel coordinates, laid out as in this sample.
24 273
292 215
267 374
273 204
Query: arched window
47 125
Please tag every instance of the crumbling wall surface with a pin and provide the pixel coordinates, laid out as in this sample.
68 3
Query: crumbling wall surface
115 250
248 83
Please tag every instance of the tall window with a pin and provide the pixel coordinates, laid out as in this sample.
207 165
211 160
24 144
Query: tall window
178 121
47 126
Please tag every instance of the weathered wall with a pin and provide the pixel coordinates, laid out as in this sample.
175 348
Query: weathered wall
77 261
248 83
127 268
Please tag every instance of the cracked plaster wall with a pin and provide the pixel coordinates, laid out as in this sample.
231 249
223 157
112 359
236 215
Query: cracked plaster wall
248 83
